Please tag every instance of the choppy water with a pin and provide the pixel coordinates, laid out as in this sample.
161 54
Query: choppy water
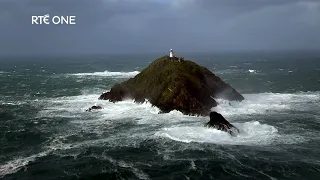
45 132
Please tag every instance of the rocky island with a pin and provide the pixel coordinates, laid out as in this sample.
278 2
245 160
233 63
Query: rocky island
175 84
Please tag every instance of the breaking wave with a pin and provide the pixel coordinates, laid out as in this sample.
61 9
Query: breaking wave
18 163
263 103
251 133
142 121
108 74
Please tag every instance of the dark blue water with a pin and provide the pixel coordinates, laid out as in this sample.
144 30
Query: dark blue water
45 132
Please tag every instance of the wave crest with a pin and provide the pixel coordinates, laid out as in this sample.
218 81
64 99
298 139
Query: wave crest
251 133
108 74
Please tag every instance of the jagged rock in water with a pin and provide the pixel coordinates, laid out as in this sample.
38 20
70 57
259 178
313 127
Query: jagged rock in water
94 107
172 85
217 121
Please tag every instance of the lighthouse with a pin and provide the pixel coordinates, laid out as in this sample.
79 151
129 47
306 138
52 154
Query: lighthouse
171 54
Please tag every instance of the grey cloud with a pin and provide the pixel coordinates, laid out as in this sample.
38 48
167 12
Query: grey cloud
245 5
105 26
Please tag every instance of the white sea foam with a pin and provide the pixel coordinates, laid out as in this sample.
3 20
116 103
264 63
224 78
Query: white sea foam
175 125
18 163
139 173
13 103
145 122
253 104
75 106
9 103
109 74
251 133
172 126
229 71
268 103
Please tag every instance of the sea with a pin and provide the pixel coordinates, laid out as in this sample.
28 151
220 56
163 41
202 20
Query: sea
45 132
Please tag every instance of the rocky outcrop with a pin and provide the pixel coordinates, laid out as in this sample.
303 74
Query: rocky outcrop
172 85
94 108
217 121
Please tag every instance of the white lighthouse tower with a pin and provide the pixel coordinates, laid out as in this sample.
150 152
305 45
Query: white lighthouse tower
171 54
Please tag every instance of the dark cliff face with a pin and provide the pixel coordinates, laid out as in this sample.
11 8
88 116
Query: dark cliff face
171 85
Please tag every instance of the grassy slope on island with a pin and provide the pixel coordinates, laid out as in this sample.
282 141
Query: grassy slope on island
172 85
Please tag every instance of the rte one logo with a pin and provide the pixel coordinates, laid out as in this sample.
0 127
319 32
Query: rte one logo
46 19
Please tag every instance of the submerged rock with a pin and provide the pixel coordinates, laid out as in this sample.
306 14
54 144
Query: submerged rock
172 85
94 107
217 121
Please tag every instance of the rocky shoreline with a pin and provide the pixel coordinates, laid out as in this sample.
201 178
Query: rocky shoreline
177 85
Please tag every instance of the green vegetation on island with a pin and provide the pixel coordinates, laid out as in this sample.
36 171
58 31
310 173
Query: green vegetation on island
171 84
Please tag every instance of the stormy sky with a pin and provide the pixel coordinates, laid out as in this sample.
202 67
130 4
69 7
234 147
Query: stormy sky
124 26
